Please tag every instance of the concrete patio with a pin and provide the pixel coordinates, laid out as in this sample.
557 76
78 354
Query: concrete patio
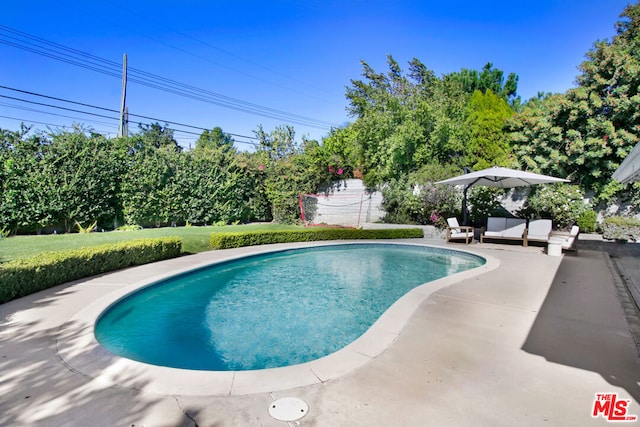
528 343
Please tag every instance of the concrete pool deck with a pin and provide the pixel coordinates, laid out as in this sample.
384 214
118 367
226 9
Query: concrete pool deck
528 343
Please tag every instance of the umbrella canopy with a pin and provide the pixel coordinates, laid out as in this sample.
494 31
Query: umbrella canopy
501 177
497 177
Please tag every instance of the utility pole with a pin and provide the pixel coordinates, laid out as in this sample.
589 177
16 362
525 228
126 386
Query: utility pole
123 129
126 122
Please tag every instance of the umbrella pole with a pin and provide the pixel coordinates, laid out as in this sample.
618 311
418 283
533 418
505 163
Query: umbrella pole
464 197
464 205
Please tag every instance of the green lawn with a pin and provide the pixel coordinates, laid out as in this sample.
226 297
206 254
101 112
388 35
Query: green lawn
194 239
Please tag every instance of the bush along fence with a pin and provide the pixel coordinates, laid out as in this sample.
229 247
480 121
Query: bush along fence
237 240
25 276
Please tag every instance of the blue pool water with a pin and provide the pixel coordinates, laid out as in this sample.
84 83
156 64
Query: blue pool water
270 310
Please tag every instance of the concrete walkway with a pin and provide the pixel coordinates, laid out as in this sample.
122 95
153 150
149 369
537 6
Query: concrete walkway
528 343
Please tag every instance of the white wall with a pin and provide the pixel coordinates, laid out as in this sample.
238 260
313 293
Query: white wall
348 204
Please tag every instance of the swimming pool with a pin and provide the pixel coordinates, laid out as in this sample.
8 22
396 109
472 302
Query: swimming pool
270 310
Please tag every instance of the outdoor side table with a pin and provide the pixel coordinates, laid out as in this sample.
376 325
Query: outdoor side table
554 247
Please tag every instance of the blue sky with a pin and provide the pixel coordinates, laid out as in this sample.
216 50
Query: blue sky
295 57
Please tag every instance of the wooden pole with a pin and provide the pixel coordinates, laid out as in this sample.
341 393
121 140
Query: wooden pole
123 129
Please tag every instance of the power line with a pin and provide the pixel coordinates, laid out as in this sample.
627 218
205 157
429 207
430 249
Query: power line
99 115
26 92
254 64
204 58
103 116
33 110
40 46
56 106
103 132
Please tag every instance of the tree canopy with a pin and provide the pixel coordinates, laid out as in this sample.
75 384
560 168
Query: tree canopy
404 121
488 79
585 133
214 139
488 142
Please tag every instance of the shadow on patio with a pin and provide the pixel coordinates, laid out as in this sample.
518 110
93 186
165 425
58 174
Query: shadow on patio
581 324
37 388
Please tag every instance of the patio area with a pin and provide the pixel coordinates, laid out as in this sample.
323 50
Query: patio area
528 343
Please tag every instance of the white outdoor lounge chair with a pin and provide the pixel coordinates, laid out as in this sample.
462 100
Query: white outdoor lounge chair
457 231
539 230
570 242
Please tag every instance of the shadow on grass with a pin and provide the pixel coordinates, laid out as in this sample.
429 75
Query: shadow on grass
581 324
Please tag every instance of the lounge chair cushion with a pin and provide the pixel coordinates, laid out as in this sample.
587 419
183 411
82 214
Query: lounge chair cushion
515 228
453 222
505 228
539 230
459 235
495 224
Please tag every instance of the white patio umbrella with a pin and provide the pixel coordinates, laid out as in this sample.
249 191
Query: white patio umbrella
629 170
497 177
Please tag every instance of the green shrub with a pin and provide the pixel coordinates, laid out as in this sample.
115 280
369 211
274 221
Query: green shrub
561 202
587 221
129 227
401 204
621 228
28 275
237 240
418 202
439 202
484 202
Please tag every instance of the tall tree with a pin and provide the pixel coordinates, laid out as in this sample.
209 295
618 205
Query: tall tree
488 142
213 139
277 156
342 149
279 144
155 135
289 169
585 133
405 121
488 79
409 128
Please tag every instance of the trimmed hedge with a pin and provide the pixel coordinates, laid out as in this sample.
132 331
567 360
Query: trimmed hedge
237 240
25 276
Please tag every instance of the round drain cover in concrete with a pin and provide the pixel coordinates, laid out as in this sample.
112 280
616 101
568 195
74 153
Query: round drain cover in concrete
288 409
